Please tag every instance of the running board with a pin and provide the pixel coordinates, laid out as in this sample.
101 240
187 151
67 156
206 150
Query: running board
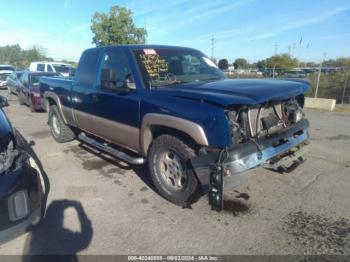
112 151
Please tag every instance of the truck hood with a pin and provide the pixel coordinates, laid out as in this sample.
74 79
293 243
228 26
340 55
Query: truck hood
239 91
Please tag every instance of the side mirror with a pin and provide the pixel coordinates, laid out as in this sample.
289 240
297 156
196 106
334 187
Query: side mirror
71 72
110 82
108 76
3 102
108 79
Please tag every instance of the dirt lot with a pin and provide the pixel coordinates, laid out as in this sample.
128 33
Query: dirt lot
98 205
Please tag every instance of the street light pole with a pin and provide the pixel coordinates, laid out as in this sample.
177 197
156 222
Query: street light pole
319 75
345 85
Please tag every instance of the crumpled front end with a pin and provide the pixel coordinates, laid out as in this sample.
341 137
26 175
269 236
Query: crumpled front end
272 136
21 190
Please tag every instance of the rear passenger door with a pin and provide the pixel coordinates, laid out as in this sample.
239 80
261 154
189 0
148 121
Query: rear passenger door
24 90
83 89
116 110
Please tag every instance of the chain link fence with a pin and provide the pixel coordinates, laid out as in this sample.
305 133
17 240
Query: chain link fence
333 83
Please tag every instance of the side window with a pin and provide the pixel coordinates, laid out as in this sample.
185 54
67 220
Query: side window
49 68
118 61
40 67
86 72
24 80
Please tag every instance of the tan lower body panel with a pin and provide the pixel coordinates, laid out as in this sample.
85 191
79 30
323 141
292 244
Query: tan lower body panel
111 131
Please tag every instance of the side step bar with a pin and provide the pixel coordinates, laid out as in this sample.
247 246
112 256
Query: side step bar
112 151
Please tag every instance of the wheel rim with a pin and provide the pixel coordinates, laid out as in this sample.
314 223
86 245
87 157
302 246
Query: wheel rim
172 170
55 125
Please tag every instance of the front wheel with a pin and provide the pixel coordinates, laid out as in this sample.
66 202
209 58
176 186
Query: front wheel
170 171
60 131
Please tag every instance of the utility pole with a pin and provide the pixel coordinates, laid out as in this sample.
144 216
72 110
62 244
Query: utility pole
212 43
275 48
299 51
307 54
293 49
319 75
345 85
144 21
289 49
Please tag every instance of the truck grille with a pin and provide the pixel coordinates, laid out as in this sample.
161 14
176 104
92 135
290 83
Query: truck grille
265 120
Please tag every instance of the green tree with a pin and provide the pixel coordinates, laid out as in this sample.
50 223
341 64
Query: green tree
116 27
241 63
33 54
223 64
20 58
282 62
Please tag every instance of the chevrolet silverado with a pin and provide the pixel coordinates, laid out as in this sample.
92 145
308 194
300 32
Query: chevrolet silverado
173 108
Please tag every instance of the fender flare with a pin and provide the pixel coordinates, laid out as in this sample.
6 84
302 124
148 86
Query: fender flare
57 100
194 130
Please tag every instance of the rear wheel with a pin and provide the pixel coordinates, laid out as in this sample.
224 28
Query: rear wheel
170 172
60 131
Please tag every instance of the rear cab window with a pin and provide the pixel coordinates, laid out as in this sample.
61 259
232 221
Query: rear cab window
86 72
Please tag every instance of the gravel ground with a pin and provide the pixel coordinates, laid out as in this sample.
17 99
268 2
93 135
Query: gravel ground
98 205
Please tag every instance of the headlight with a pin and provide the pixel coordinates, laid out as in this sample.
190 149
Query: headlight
36 94
298 115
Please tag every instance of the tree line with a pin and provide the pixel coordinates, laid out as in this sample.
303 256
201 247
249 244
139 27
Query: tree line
21 58
282 62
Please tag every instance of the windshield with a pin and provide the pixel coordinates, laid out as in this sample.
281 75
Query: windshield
61 68
164 67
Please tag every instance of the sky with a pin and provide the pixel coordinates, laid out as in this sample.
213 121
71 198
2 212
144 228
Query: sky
252 29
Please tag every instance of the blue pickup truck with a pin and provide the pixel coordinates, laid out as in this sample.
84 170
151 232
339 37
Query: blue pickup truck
173 108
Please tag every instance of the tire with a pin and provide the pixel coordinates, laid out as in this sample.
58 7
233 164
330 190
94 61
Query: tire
45 105
60 131
165 174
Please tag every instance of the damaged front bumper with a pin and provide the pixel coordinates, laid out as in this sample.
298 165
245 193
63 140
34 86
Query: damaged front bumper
236 163
21 194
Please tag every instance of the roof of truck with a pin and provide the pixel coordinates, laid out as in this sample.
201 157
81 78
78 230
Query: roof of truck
49 62
144 46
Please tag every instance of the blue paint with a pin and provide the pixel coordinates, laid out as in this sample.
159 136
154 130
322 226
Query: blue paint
201 102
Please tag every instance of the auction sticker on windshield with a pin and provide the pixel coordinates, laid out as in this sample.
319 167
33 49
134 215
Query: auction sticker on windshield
149 51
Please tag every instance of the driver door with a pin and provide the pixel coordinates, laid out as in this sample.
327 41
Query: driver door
116 109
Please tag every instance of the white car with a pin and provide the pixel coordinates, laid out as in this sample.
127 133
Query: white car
5 71
57 67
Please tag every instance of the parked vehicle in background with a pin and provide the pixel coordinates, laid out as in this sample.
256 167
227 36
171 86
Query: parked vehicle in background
295 73
5 71
56 67
309 70
22 186
172 107
13 82
29 89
